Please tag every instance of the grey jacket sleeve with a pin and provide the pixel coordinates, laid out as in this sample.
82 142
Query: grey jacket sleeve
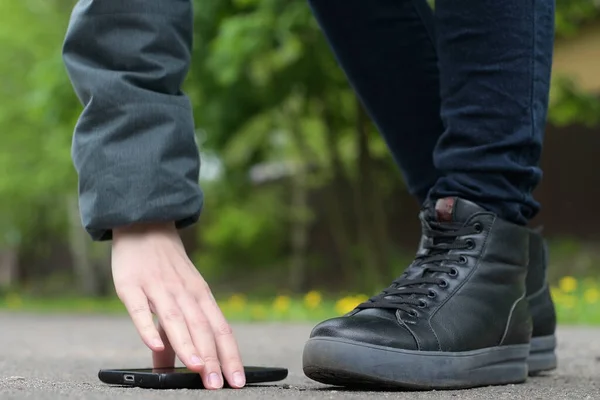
134 145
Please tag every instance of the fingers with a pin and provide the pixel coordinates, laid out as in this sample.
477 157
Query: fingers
165 358
227 348
173 321
202 336
137 306
153 275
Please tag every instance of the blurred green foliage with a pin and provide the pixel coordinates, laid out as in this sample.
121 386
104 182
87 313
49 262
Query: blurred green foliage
571 15
266 91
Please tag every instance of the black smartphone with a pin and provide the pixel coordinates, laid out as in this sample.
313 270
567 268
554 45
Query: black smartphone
181 378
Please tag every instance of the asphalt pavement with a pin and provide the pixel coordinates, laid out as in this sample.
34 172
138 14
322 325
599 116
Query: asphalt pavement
58 357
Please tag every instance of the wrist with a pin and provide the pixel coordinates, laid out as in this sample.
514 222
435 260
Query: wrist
144 228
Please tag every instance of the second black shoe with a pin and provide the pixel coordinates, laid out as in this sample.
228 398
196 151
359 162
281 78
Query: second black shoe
542 355
457 318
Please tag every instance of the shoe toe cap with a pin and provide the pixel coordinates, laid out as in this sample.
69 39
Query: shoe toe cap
368 329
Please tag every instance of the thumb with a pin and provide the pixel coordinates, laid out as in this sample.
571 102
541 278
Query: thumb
166 357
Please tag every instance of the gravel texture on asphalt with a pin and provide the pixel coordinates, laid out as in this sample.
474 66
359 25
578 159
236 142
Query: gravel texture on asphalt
58 357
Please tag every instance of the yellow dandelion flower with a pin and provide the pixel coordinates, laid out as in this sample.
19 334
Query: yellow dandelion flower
237 302
13 301
361 298
312 300
282 303
345 305
568 284
555 293
591 296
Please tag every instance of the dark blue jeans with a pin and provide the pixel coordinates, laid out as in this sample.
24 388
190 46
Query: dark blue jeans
460 95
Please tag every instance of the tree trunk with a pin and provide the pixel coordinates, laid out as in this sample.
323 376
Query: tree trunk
79 246
100 256
371 225
338 223
299 230
8 267
300 221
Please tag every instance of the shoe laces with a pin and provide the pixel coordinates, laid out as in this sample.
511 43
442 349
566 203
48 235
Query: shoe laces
408 291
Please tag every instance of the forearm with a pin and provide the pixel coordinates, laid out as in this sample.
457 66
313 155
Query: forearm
134 147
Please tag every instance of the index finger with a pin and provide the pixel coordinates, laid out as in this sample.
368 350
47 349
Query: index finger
136 303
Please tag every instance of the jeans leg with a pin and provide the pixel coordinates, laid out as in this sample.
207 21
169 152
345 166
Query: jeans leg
495 60
387 50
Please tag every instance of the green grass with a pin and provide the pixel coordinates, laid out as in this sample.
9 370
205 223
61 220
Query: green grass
14 303
247 310
577 303
237 308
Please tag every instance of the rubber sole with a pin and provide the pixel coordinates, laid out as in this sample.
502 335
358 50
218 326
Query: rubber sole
542 355
343 362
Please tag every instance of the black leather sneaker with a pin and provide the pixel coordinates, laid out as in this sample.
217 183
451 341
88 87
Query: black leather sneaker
542 356
457 317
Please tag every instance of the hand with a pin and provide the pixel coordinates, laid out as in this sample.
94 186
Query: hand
153 274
